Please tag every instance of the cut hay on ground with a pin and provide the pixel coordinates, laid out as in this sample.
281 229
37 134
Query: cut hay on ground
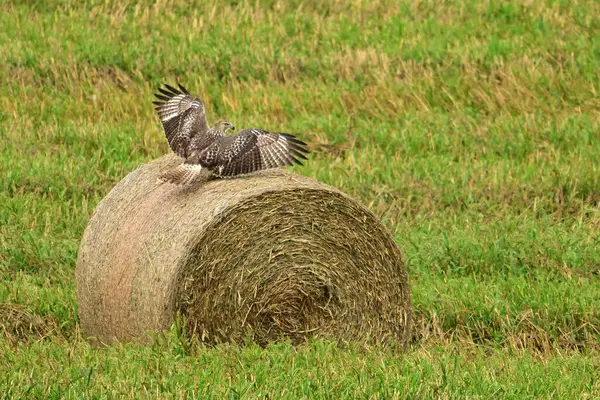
272 255
18 324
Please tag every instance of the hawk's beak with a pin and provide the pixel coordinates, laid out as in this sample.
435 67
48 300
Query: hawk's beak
232 126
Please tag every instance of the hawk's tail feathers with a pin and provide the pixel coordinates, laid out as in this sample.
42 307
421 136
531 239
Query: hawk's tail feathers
183 174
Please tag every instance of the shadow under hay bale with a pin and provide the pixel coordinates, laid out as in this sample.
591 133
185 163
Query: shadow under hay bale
271 255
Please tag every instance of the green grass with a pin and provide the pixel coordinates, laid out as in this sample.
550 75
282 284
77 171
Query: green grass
472 130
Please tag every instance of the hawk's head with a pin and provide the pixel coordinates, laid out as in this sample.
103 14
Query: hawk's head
223 125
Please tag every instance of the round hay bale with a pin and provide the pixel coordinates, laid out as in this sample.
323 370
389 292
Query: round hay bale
270 255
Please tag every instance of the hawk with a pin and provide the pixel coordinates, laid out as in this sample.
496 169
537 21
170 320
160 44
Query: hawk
183 118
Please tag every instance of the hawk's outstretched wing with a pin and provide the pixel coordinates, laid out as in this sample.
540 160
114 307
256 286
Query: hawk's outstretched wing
252 150
182 116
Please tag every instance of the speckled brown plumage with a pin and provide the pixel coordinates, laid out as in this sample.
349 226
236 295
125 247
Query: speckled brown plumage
183 118
225 156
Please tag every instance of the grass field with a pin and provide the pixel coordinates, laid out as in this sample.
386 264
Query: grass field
472 129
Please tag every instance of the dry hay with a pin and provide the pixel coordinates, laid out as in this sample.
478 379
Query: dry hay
18 324
271 255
